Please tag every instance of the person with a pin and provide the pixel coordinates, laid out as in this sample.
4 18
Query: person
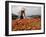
22 13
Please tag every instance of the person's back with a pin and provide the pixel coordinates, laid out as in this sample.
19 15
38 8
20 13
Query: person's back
22 14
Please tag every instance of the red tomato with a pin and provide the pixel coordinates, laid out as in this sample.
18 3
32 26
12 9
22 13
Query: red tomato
33 28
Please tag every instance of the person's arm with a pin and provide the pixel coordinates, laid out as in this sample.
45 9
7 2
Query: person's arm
24 14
